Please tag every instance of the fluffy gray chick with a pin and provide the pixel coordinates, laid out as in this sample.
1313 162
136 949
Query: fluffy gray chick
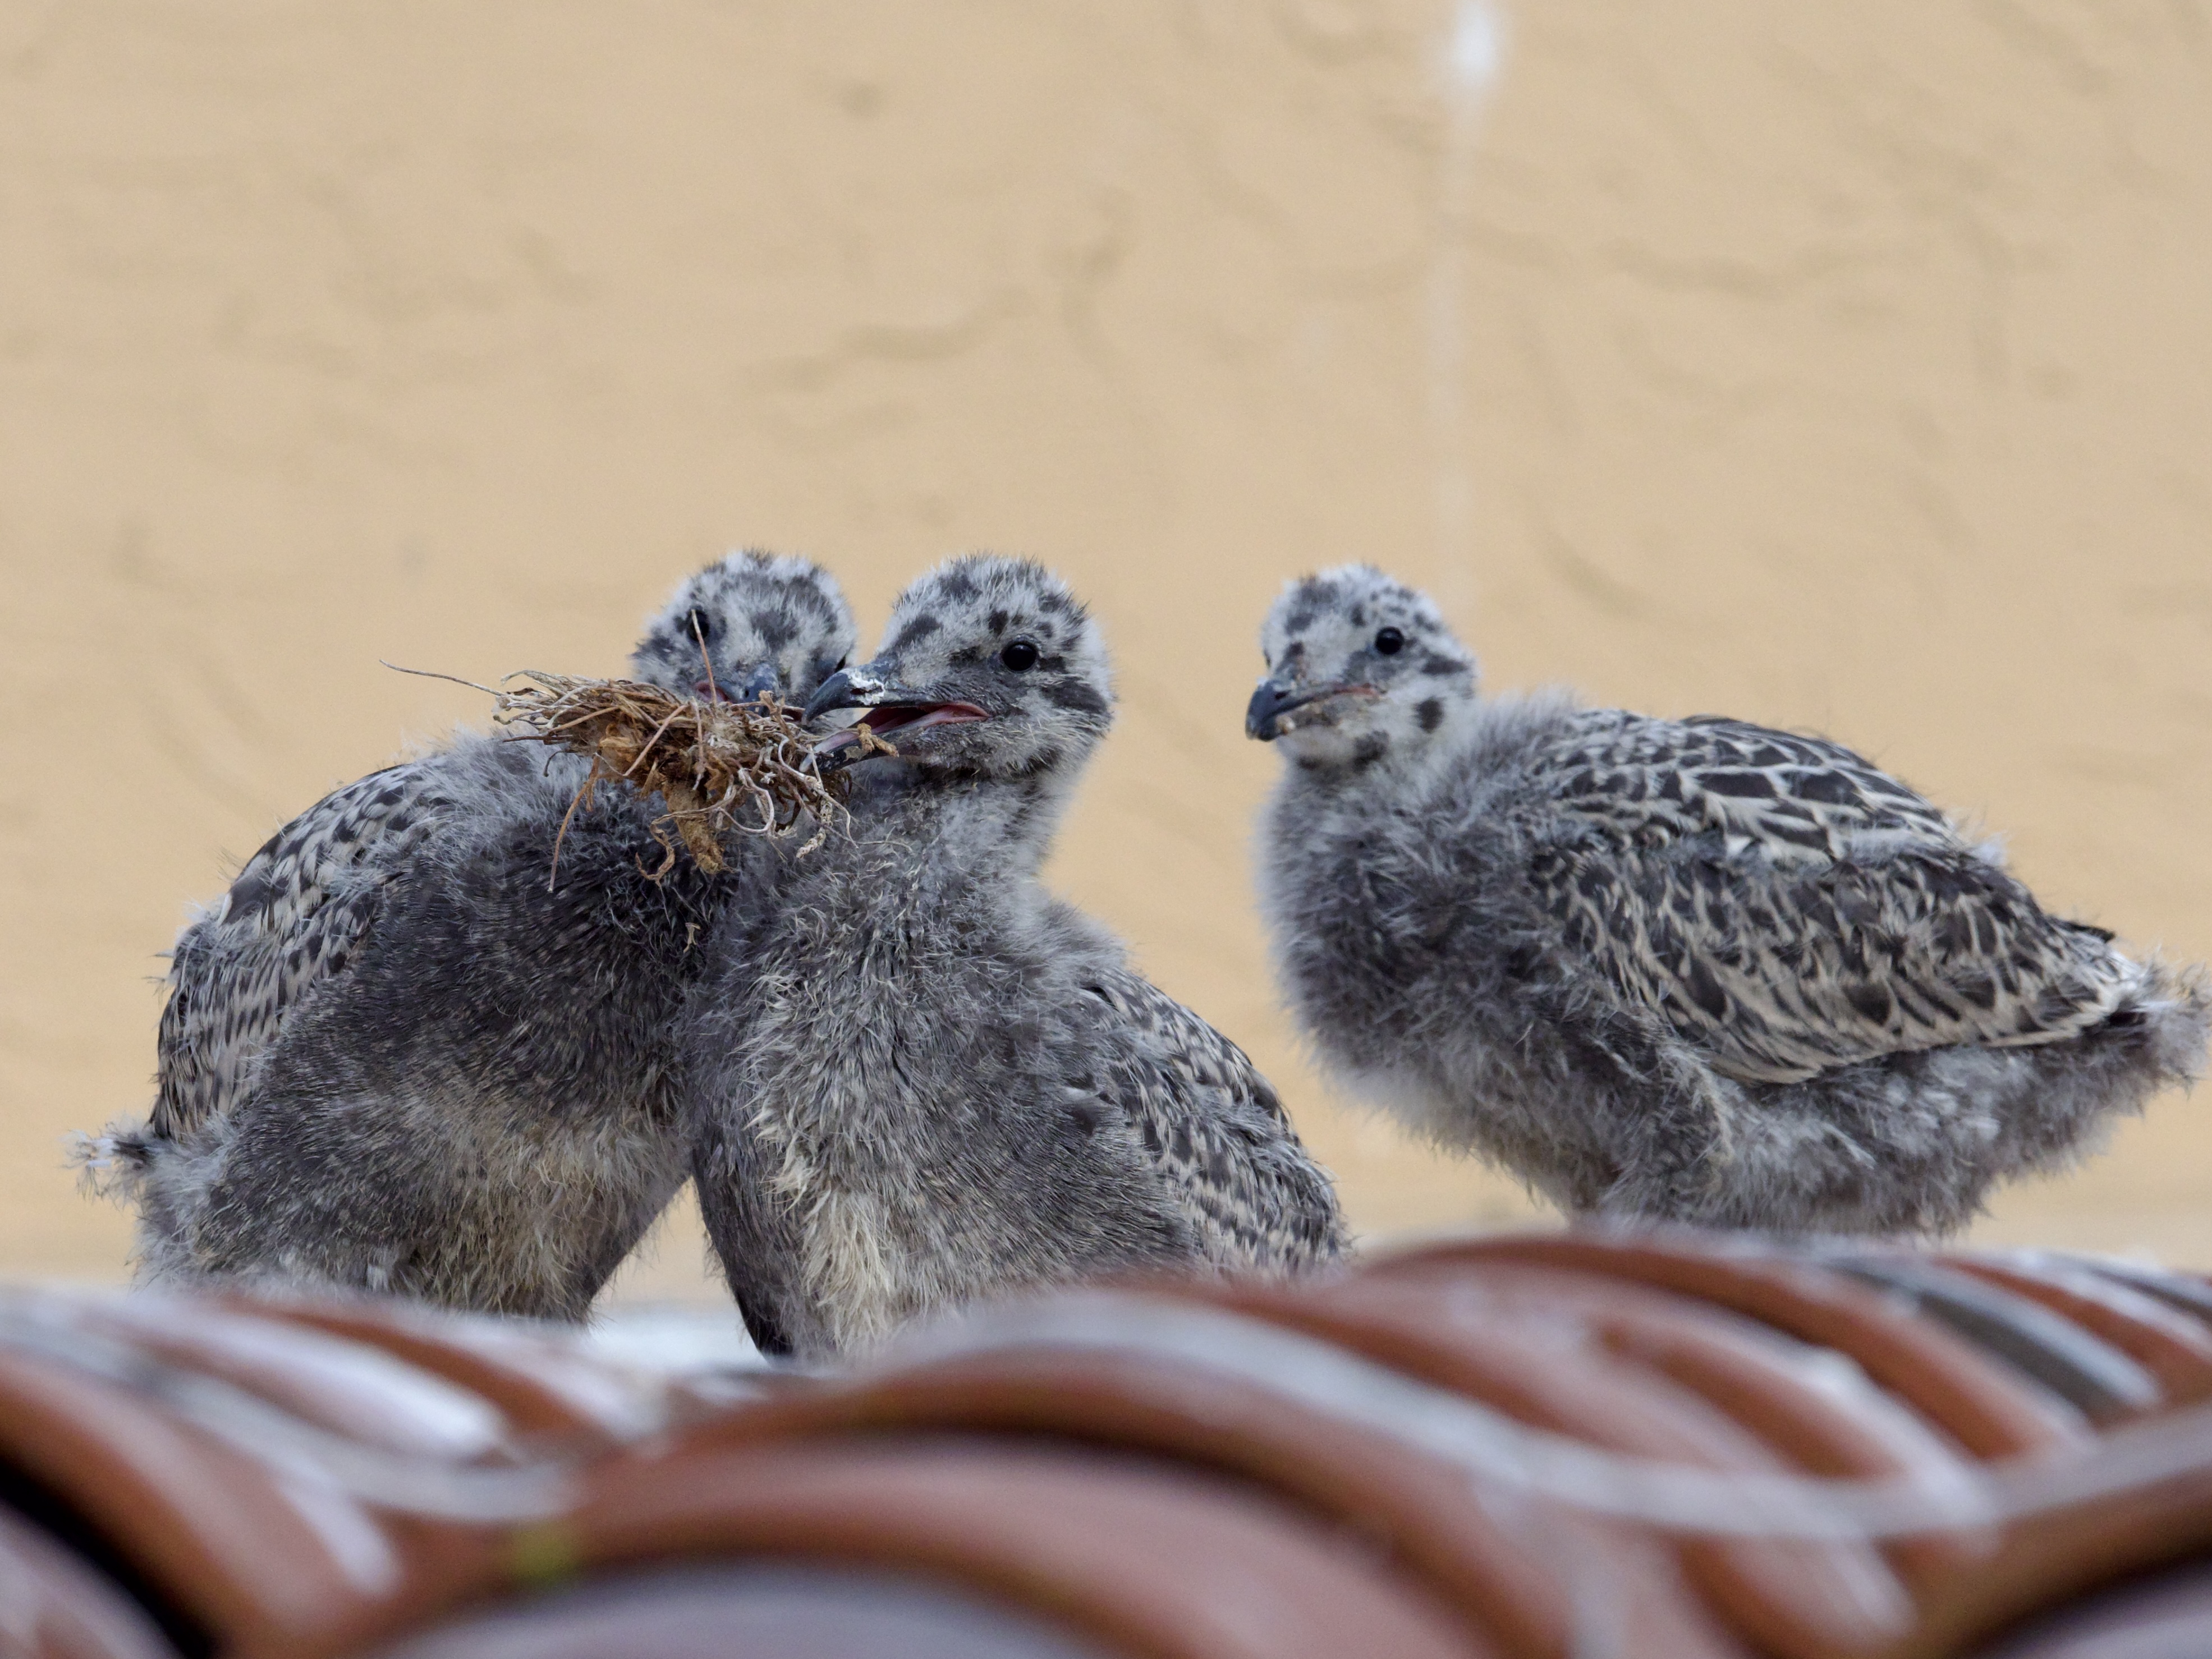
395 1057
946 1083
1692 968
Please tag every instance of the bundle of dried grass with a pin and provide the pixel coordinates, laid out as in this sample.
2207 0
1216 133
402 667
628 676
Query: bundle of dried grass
722 769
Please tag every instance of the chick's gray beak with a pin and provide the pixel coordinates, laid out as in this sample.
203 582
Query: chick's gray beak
1263 715
763 680
1269 699
869 687
1275 698
852 688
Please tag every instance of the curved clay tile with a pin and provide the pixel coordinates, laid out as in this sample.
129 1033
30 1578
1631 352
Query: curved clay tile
2165 1617
364 1394
1549 1369
2059 1553
225 1547
546 1390
1519 1447
2175 1348
219 1458
1981 1404
2091 1374
724 1610
1812 1407
53 1605
2189 1293
1512 1575
1140 1557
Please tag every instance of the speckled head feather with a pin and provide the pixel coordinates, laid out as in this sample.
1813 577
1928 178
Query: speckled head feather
989 668
1360 667
766 623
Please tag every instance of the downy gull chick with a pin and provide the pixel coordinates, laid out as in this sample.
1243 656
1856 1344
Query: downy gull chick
392 1060
946 1084
1688 969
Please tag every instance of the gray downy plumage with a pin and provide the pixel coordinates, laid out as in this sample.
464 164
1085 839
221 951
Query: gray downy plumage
949 1085
1692 968
408 1052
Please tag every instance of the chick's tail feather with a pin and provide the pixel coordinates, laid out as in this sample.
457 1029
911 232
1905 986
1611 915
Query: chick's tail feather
113 1163
2173 1012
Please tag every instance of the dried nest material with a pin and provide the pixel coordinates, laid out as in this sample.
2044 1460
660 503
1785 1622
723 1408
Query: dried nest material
722 768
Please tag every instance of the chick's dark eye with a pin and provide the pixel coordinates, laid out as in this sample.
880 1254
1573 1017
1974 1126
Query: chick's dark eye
1389 642
697 624
1021 656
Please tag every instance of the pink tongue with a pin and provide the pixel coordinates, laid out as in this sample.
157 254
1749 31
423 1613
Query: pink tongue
943 715
904 719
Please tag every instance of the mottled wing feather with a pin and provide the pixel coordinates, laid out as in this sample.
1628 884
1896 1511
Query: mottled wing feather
1787 908
1219 1132
296 917
1654 780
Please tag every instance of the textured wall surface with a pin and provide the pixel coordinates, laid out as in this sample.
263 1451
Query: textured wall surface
1846 367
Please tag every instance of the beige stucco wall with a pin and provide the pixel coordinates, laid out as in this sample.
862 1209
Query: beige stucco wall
1842 366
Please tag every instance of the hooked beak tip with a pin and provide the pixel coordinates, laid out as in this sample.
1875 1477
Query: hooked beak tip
1261 715
838 691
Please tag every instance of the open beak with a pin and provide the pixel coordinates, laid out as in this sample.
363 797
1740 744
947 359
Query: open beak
890 706
1271 711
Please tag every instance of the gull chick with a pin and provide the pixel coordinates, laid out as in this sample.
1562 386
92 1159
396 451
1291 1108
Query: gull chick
934 1082
1688 969
408 1052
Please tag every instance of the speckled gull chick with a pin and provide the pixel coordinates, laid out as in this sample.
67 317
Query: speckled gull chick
395 1057
1687 968
948 1084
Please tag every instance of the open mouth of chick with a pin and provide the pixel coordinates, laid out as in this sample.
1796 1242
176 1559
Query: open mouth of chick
887 718
1323 706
